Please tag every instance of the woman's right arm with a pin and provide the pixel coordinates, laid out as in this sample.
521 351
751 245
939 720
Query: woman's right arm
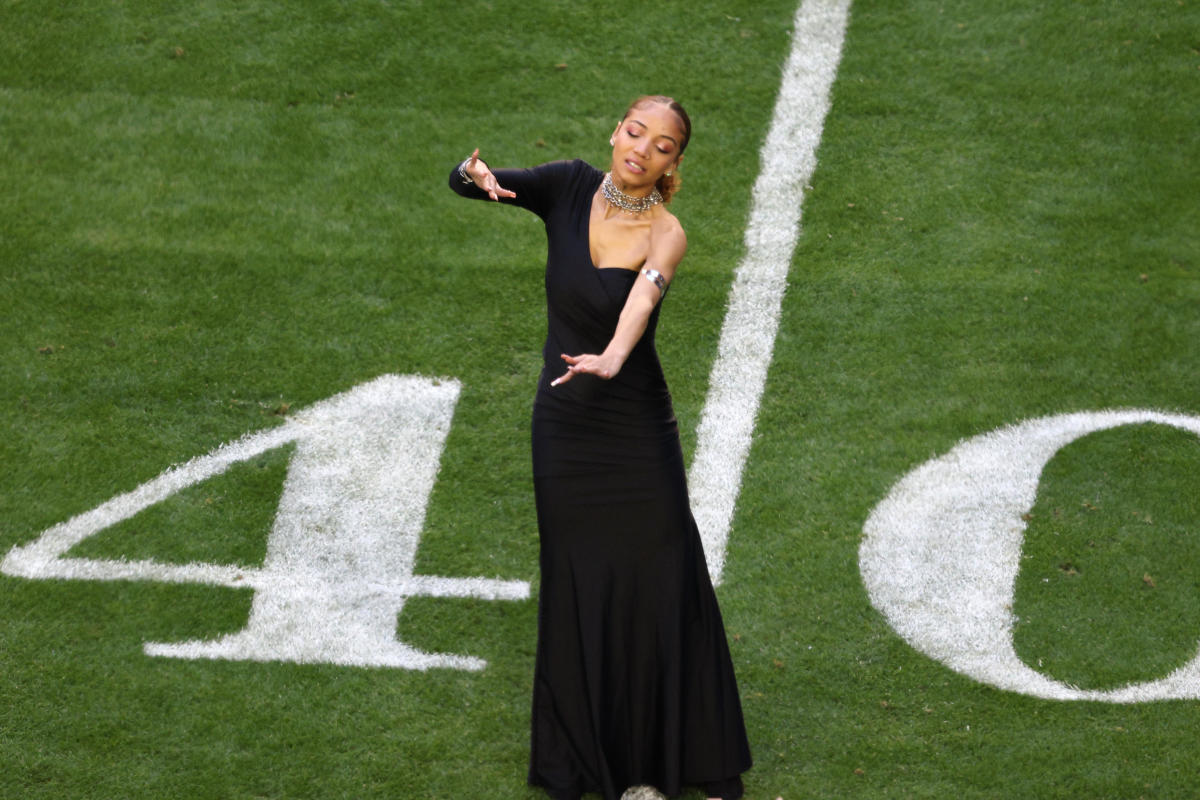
531 189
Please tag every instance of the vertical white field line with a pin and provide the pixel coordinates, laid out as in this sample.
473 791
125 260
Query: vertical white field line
788 158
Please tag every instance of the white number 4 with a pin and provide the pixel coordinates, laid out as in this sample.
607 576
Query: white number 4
340 556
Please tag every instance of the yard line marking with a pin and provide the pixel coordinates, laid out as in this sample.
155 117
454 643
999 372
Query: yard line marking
788 158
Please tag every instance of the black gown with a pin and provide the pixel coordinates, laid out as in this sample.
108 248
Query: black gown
633 681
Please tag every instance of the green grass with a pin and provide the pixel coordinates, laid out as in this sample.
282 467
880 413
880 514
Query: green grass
1116 511
217 213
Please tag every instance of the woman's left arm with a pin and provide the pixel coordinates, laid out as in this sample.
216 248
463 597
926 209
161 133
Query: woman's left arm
666 251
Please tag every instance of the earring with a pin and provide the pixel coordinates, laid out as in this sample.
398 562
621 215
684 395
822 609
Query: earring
668 174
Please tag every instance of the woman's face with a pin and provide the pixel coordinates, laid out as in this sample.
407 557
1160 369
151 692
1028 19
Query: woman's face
645 145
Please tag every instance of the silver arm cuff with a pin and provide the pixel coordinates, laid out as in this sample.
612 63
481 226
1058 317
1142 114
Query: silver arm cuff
655 277
462 171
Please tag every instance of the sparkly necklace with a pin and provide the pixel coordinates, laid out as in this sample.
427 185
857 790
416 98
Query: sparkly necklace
627 202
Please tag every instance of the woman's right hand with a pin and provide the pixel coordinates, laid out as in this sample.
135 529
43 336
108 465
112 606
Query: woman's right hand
484 179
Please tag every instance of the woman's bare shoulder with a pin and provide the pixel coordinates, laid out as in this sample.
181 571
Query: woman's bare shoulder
665 229
668 243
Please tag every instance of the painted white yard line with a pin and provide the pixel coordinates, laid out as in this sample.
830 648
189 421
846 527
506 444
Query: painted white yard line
788 158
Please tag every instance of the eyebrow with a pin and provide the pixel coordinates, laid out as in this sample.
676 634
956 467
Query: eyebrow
661 135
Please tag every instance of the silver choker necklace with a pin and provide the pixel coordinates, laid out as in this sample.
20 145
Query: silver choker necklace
627 202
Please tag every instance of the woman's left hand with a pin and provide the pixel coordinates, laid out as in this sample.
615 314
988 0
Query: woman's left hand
602 366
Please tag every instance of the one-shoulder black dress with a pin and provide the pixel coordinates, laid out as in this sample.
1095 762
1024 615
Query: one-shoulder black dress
633 681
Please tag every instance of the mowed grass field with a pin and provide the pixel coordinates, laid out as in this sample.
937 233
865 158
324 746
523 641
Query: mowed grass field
214 215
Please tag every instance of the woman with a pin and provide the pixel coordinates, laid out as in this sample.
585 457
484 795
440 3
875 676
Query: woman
633 681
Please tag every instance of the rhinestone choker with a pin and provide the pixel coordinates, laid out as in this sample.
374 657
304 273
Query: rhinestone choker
626 202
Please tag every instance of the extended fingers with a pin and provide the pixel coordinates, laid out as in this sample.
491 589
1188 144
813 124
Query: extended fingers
485 179
494 189
588 363
573 366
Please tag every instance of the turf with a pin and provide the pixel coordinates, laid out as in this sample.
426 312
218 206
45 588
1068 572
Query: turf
217 213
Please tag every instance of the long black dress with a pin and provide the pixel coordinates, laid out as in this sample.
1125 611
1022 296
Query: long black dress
633 681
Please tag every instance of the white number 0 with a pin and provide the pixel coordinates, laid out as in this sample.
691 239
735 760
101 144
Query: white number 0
941 552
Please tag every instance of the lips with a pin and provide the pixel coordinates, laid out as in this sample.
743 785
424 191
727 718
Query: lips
635 167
